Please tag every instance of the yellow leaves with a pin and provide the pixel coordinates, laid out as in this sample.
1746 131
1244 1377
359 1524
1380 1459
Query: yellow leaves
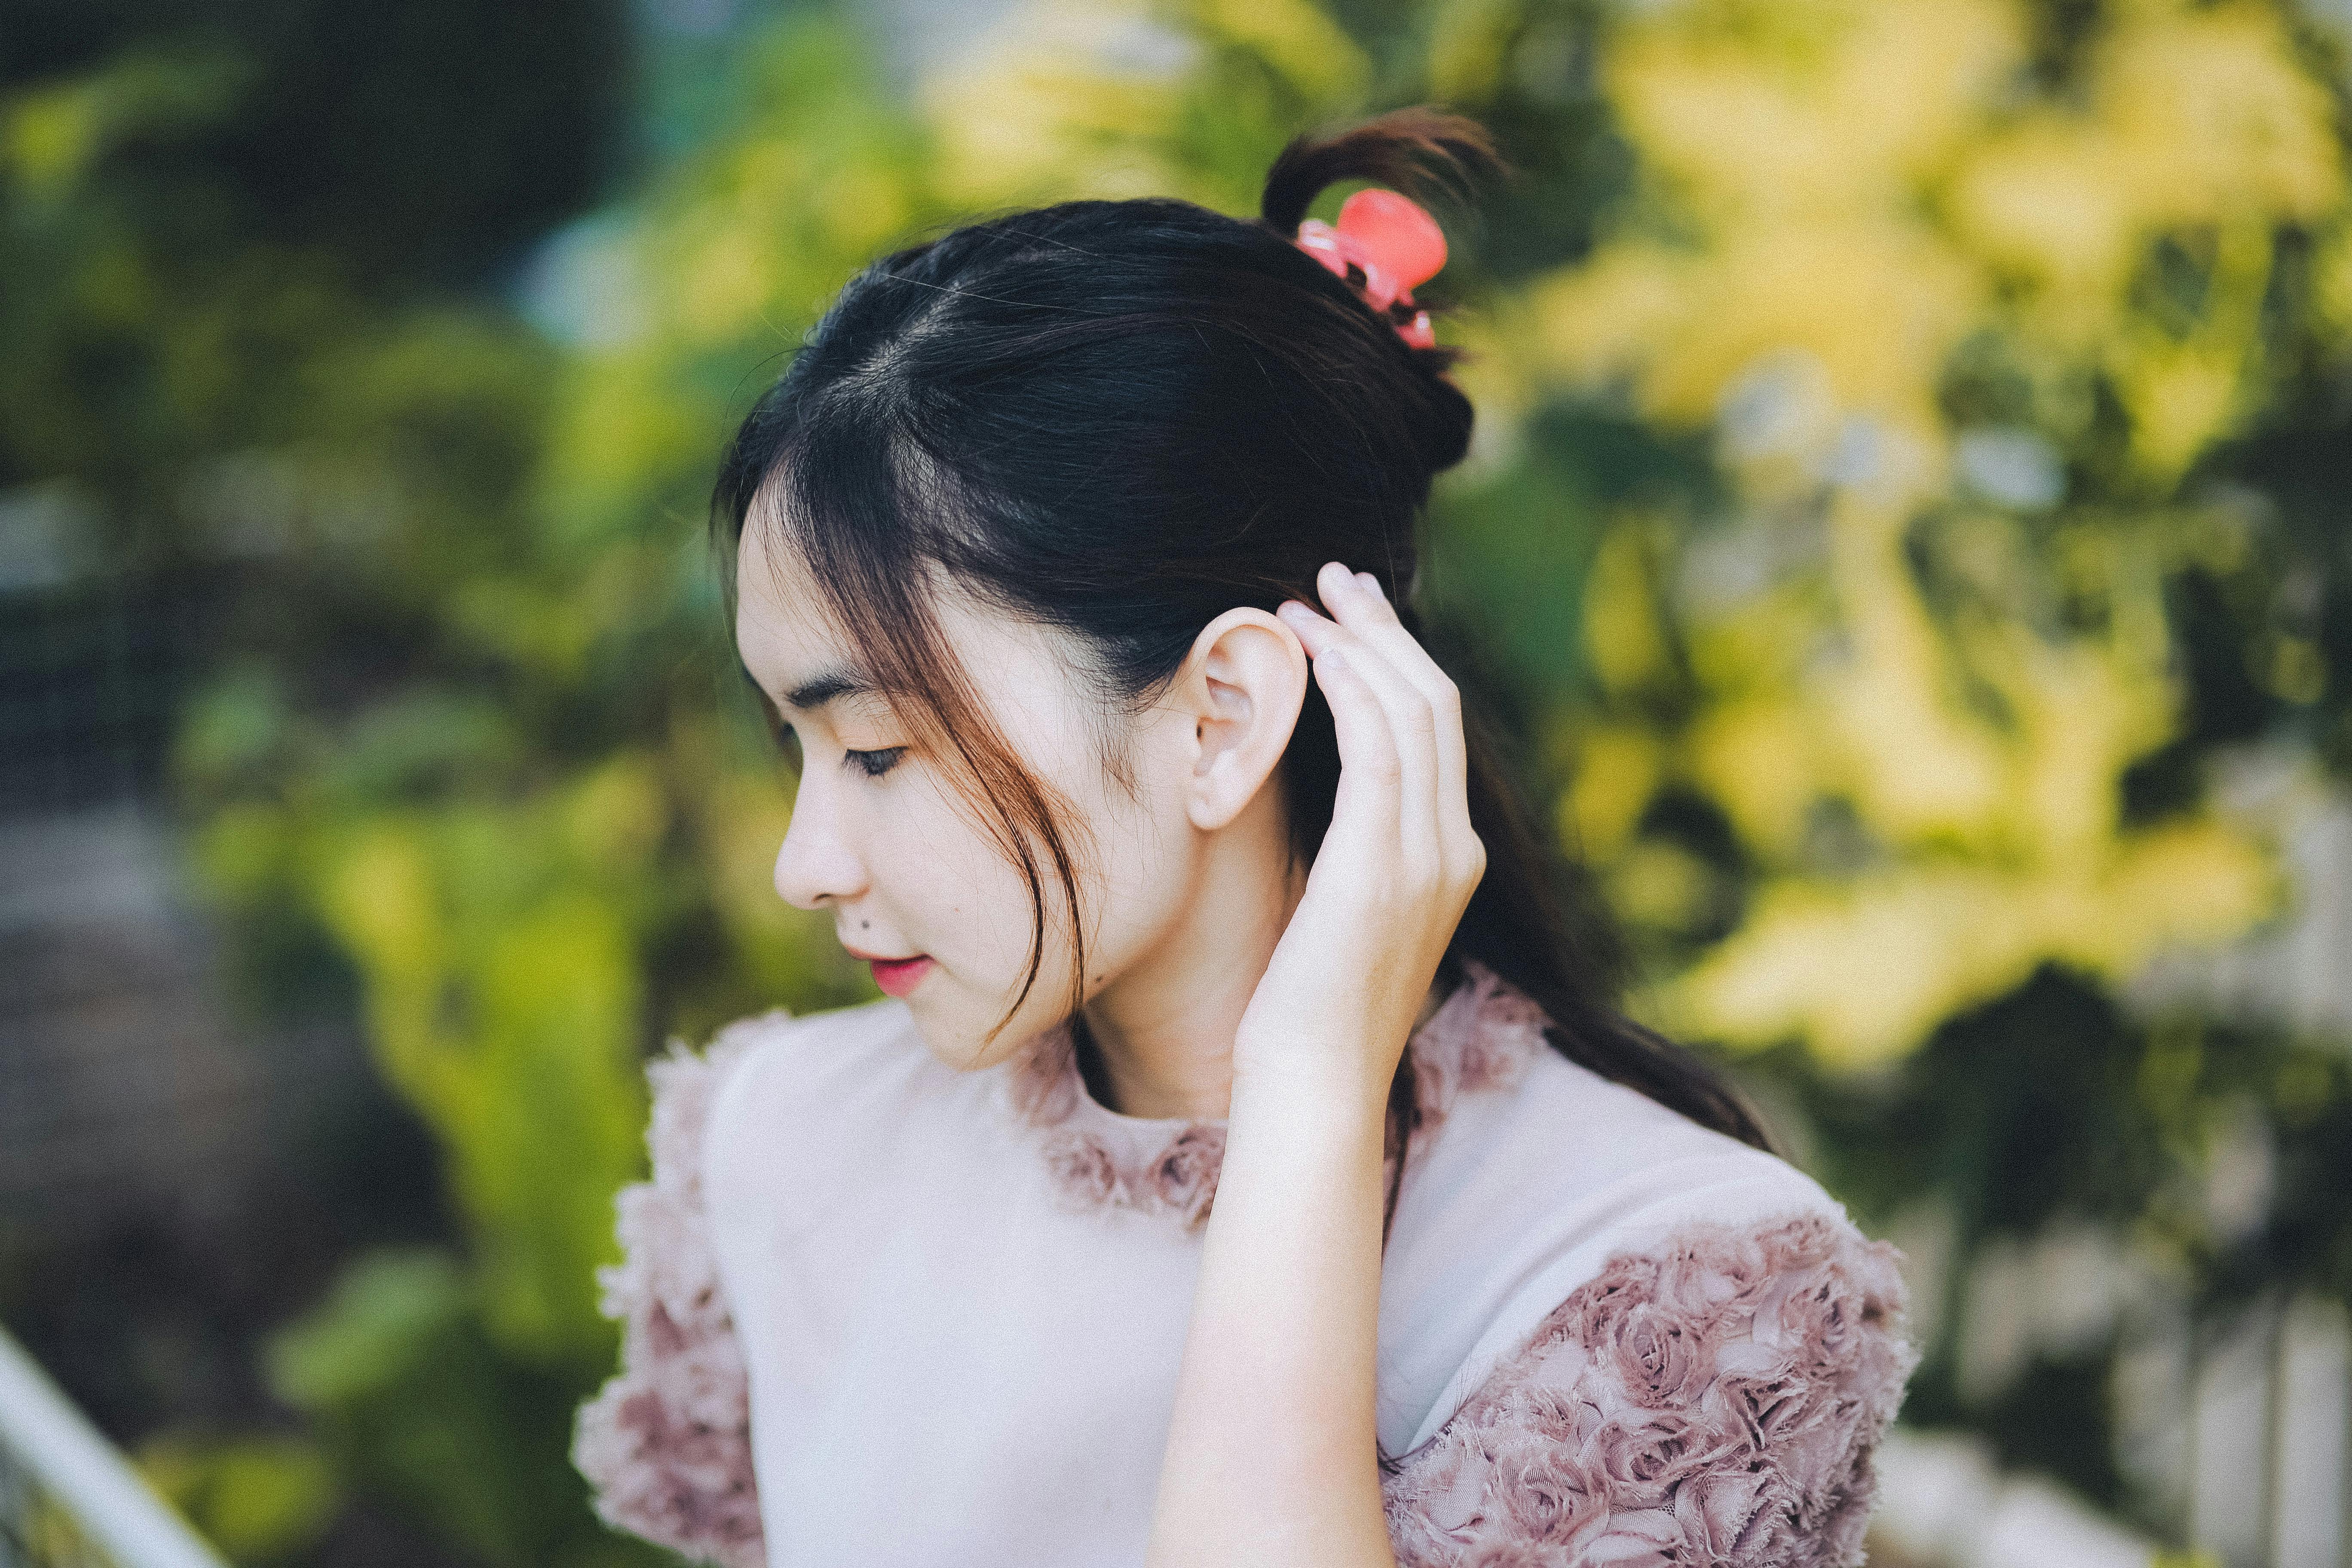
1297 39
723 283
1865 970
2192 118
499 947
2332 287
743 817
615 816
1659 884
1762 759
1604 321
1806 111
1976 763
1862 971
1118 98
1865 194
617 424
2196 128
1787 328
1617 768
1838 200
2181 399
862 208
1064 99
2297 670
1624 640
2193 883
1919 771
379 897
2223 124
1466 44
2045 202
779 217
240 850
2184 388
545 1116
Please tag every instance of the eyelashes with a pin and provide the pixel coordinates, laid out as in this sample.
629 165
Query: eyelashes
872 765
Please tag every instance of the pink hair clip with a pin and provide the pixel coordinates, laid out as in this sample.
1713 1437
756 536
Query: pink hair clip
1393 242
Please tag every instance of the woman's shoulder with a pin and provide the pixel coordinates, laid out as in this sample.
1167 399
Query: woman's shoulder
780 1064
804 1044
1639 1318
807 1046
1526 1195
666 1443
1716 1394
1513 1114
1540 1170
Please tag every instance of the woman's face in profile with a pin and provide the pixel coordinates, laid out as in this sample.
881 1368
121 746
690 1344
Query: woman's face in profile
881 839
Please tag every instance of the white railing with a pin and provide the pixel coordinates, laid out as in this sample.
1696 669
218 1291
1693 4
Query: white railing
68 1498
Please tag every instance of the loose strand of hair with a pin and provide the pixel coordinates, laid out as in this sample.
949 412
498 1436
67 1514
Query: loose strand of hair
1422 151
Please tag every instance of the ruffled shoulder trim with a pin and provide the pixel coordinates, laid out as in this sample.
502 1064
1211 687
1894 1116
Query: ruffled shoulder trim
666 1444
1717 1399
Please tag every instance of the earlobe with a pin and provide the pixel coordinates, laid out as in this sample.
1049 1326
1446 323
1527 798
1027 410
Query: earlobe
1244 681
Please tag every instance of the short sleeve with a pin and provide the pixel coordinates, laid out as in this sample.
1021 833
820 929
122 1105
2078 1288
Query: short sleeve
1717 1399
666 1444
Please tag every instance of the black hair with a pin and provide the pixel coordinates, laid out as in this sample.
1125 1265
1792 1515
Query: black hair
1122 418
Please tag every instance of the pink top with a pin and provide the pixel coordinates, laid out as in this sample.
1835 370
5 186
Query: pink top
877 1310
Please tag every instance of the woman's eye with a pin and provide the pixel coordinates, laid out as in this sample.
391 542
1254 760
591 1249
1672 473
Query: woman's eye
874 764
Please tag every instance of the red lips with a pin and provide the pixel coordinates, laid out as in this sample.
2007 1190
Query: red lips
896 976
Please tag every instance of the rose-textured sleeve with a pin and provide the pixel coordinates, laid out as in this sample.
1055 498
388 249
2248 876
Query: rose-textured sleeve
666 1444
1714 1399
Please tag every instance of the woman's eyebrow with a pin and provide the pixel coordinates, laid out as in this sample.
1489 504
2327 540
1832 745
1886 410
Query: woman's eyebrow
812 694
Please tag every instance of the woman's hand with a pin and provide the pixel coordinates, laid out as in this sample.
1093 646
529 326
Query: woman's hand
1271 1446
1397 868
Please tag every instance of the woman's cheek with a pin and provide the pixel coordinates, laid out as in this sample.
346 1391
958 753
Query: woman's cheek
974 908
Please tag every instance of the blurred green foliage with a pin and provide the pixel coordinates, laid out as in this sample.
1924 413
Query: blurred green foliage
259 1500
1876 540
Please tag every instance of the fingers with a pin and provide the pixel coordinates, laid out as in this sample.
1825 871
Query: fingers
1410 699
1375 620
1411 723
1371 768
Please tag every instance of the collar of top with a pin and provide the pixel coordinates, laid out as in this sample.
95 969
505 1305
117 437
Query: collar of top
1480 1037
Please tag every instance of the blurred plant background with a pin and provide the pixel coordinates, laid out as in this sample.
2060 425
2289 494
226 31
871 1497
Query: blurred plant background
1909 533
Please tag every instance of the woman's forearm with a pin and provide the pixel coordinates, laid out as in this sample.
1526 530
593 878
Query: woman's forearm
1271 1456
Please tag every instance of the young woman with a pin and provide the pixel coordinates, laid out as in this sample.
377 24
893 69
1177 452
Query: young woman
1073 557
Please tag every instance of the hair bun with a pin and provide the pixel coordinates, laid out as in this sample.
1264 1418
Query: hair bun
1423 152
1444 428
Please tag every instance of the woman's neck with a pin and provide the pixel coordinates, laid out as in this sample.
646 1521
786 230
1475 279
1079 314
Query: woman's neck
1165 1026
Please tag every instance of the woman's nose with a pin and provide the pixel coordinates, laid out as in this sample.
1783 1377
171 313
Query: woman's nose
815 865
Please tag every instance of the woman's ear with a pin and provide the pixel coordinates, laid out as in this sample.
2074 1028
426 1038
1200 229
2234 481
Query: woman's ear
1241 687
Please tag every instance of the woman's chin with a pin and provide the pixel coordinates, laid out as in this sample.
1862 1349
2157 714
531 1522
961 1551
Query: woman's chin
965 1043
